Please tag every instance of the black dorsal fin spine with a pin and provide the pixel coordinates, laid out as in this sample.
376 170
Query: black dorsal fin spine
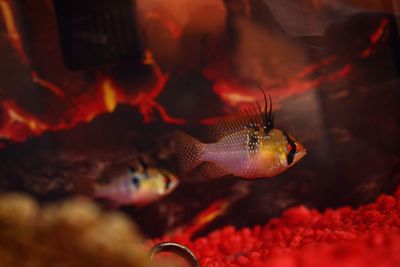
267 115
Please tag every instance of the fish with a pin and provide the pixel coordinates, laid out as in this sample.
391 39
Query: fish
247 146
138 187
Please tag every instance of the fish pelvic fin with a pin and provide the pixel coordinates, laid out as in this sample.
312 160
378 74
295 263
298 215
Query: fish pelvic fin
211 170
190 152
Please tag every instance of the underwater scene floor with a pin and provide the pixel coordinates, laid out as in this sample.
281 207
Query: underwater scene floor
365 236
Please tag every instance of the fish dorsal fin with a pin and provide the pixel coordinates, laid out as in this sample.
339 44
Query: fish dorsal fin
143 165
246 119
253 118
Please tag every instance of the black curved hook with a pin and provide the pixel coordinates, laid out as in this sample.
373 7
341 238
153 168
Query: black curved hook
177 249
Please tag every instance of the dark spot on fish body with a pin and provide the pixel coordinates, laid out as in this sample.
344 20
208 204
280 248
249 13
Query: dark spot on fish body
253 138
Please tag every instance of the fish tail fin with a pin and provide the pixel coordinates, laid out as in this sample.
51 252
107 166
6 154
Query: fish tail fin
190 152
85 186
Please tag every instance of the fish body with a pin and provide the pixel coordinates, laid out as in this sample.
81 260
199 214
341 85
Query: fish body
137 187
248 147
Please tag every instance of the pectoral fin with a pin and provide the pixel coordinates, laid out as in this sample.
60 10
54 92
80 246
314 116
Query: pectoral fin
211 170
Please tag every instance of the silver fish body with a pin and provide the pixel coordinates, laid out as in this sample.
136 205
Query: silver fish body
247 146
138 188
244 154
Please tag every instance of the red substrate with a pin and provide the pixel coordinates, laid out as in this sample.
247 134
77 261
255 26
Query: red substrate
366 236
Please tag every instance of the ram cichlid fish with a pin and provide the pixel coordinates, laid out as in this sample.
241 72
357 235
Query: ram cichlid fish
138 187
247 146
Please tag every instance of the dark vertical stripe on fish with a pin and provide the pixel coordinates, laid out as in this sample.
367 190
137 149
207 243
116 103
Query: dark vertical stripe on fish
293 149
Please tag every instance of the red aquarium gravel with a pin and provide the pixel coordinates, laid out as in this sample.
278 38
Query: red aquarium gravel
302 237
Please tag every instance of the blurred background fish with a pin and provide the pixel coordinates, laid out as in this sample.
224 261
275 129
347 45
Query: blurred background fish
247 146
139 187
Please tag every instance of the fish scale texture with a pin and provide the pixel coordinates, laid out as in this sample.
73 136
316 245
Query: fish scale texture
302 237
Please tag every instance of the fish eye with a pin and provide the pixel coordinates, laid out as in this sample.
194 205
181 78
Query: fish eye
135 180
167 181
292 147
289 147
